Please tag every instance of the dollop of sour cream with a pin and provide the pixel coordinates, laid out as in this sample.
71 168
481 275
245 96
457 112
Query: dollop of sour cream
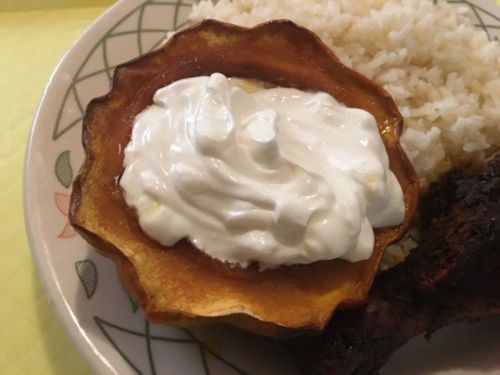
278 176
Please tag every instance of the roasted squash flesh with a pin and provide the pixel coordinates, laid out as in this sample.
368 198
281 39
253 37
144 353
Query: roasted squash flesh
181 285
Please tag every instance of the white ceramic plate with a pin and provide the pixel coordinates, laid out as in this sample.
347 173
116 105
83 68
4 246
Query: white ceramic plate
102 321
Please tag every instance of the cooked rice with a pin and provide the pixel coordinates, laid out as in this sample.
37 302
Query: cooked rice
441 71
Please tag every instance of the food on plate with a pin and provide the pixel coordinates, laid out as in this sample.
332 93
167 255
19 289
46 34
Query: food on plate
451 276
444 75
180 284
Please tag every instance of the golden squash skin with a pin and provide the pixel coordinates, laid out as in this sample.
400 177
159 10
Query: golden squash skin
180 284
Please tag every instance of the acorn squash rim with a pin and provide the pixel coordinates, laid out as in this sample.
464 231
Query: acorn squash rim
110 250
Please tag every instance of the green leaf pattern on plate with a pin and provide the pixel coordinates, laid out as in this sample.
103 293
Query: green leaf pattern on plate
87 273
63 170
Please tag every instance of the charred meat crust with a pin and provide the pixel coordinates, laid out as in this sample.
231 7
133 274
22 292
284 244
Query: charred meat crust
451 276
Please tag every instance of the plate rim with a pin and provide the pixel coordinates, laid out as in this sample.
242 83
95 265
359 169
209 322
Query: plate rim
43 265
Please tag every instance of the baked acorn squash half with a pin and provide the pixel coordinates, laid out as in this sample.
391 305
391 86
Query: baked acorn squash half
181 285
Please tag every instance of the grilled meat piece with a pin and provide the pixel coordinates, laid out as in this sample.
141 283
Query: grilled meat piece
453 275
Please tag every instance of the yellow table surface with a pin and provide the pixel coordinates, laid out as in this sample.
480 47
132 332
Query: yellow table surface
32 341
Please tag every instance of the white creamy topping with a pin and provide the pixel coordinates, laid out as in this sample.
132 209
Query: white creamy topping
278 176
